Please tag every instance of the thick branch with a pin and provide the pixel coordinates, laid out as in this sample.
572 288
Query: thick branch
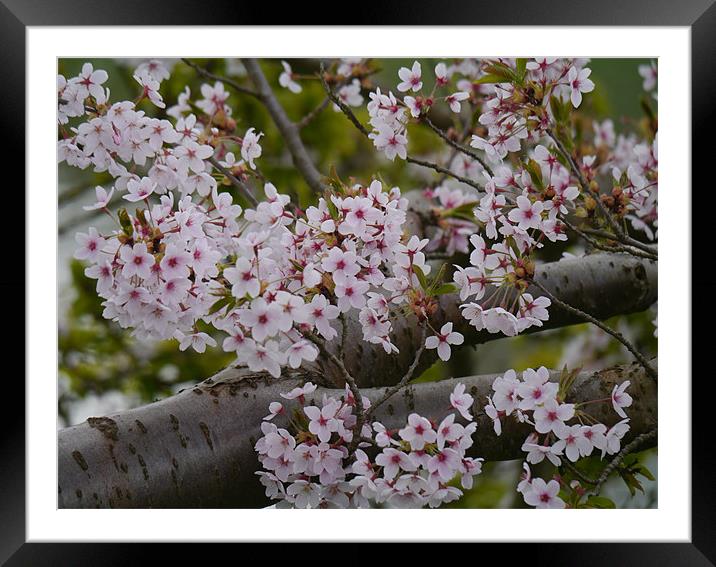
195 449
603 285
289 131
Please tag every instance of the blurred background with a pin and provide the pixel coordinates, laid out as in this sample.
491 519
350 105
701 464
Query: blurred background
102 369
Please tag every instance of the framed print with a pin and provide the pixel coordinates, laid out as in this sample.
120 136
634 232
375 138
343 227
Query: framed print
398 280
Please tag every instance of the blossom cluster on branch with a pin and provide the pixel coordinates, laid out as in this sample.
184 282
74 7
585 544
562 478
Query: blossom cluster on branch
561 430
309 464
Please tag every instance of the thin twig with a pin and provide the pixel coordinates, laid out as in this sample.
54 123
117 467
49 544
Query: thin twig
620 234
310 117
306 120
445 171
209 75
343 106
406 377
607 248
616 334
235 181
360 412
617 460
457 146
363 130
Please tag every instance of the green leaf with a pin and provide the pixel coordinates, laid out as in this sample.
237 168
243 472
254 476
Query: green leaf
566 380
464 211
445 289
221 304
598 502
521 68
332 209
646 473
418 271
489 79
334 181
125 222
501 70
560 110
535 172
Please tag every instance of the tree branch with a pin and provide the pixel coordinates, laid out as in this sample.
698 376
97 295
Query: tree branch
235 181
457 146
288 129
195 449
607 329
209 75
363 130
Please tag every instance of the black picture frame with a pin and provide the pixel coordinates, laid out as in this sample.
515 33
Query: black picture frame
699 15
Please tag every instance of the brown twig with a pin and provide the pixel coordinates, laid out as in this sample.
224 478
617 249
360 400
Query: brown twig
456 145
311 116
619 232
363 130
606 247
235 181
406 377
209 75
617 460
616 334
360 412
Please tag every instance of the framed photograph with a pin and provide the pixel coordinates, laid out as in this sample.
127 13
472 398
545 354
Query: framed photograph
362 283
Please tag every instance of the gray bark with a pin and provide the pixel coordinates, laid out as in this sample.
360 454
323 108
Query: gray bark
195 449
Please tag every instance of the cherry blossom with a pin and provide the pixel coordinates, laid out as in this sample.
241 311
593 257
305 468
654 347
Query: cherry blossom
103 199
650 75
443 340
579 83
620 399
461 401
91 245
418 432
286 79
411 78
541 494
412 468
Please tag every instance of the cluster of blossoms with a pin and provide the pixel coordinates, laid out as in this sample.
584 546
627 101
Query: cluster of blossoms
265 276
633 165
454 219
309 464
561 430
519 100
389 116
518 212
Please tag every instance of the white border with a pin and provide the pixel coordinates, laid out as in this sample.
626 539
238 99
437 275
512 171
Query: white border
671 522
